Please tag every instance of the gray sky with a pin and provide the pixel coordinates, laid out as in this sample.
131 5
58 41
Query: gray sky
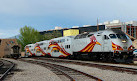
46 14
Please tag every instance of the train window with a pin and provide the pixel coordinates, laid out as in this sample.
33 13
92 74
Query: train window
56 50
100 32
62 40
112 36
15 49
57 41
44 48
83 35
106 37
48 47
90 35
121 36
38 51
67 46
41 44
77 37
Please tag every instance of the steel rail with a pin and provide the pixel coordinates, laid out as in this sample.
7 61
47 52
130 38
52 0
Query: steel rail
60 68
1 63
8 70
90 76
101 66
49 65
45 64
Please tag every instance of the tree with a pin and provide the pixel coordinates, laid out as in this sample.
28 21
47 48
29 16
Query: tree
28 35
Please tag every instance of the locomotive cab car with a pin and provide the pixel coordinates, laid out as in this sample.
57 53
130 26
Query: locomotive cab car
106 45
61 47
41 48
15 53
57 47
29 50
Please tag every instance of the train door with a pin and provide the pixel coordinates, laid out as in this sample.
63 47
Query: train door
45 48
55 49
106 43
55 53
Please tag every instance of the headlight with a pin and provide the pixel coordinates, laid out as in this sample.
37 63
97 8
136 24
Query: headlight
131 47
124 41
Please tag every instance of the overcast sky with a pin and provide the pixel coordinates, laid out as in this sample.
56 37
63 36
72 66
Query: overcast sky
46 14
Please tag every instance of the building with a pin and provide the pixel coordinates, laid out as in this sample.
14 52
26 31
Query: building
128 27
6 46
84 28
71 32
51 31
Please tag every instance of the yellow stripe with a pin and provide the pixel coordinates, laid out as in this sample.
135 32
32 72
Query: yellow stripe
53 49
113 45
91 48
88 47
55 46
59 51
36 47
62 53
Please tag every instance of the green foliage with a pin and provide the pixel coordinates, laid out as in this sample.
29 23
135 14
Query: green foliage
28 35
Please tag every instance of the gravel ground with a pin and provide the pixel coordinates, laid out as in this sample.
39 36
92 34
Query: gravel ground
122 65
106 75
31 72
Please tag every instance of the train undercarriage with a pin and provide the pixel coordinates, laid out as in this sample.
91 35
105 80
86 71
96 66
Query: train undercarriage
123 57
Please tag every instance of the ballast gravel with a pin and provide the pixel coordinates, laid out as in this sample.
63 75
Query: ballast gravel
31 72
106 75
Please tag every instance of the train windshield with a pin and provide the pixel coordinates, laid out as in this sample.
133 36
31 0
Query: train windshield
112 36
121 36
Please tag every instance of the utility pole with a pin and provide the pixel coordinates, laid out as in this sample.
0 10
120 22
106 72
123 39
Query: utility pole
97 25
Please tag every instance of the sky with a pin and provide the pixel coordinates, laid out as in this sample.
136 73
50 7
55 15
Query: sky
46 14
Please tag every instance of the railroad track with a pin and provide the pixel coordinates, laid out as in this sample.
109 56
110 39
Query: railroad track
101 66
5 67
1 63
68 74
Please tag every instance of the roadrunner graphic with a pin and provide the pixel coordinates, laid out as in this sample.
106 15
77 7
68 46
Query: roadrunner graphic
55 46
116 47
37 48
28 50
91 45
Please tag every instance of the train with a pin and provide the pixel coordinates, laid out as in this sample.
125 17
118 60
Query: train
104 45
